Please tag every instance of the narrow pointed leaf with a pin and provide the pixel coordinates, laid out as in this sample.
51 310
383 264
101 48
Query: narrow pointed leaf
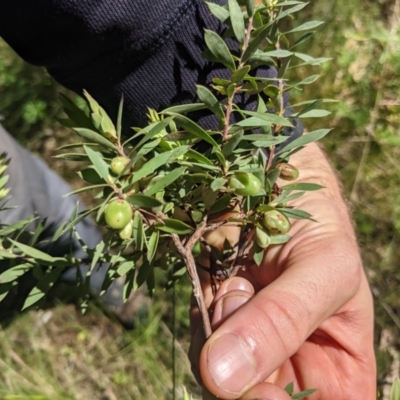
207 97
304 140
42 287
98 162
219 49
219 12
143 201
175 226
166 181
306 26
194 129
152 245
237 20
156 162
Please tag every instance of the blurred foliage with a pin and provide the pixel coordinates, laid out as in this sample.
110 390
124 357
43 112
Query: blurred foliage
363 40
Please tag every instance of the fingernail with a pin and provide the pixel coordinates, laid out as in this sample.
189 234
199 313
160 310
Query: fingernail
230 363
228 305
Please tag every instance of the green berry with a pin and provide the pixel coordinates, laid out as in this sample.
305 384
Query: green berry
118 213
276 222
245 184
118 164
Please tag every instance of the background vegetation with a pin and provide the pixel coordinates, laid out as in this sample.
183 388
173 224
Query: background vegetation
59 354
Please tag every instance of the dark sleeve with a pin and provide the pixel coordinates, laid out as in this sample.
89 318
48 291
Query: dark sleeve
148 51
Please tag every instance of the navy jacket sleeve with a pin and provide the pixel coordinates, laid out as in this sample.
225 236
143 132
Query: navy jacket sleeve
148 51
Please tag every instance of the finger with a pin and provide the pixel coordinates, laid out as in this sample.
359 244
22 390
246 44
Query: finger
265 391
269 329
231 295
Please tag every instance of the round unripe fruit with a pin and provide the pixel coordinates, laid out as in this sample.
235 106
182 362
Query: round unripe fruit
288 172
118 213
262 238
245 184
276 222
126 233
118 164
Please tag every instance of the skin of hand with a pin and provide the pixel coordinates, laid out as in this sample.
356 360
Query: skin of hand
304 316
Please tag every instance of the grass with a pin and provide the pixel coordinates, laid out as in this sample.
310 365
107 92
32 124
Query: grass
58 353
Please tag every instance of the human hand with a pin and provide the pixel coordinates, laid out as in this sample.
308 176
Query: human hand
304 316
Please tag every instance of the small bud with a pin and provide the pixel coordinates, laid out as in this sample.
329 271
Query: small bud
126 233
276 222
288 172
262 238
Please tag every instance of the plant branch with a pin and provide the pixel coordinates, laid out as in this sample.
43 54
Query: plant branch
194 277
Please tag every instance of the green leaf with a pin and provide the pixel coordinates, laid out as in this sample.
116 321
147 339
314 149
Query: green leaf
232 143
194 129
162 159
238 75
144 271
237 20
309 79
195 155
77 116
37 254
165 181
42 287
258 254
219 12
295 213
90 175
125 267
152 245
287 196
280 239
119 118
304 140
278 53
306 26
308 108
303 186
143 201
14 273
292 10
175 226
258 36
303 39
155 130
138 230
259 137
94 137
314 114
289 388
184 108
250 7
98 162
219 49
217 184
98 253
212 103
303 394
260 119
221 204
395 390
